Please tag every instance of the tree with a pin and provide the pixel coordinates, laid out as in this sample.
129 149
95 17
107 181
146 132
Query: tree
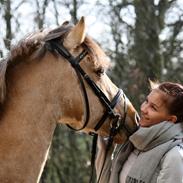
7 14
172 47
40 12
143 55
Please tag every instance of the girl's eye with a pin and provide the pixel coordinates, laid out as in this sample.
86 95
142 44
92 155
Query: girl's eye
100 71
154 108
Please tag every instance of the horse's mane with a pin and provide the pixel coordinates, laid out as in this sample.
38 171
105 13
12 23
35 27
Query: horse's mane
33 46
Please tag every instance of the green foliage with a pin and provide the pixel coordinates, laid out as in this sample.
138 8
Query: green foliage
69 158
1 1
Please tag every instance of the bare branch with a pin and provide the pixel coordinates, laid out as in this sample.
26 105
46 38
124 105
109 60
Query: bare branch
40 13
1 54
19 4
55 12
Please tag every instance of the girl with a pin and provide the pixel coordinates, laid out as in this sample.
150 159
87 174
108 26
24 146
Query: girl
154 153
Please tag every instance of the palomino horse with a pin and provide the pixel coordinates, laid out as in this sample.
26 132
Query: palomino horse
39 88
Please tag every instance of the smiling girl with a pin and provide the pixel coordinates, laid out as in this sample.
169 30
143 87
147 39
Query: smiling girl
154 153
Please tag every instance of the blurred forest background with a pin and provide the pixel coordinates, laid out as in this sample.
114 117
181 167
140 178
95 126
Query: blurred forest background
143 38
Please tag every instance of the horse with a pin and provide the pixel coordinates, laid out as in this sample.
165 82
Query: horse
40 87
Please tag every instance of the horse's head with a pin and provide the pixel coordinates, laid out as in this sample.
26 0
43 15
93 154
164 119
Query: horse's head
88 89
67 70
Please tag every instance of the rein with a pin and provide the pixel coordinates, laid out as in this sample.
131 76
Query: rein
117 121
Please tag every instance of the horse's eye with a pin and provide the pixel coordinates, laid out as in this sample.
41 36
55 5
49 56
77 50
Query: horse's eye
100 71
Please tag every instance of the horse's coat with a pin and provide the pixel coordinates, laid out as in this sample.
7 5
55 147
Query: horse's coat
39 89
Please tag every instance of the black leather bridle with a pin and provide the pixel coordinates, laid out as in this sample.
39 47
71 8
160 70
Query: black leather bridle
58 47
117 120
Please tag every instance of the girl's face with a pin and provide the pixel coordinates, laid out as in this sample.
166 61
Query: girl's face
154 109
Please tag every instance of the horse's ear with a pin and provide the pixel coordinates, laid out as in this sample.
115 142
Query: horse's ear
76 36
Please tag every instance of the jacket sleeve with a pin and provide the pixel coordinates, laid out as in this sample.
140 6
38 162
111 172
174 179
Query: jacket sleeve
171 166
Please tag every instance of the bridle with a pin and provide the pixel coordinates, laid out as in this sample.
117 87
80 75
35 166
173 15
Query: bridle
58 47
117 120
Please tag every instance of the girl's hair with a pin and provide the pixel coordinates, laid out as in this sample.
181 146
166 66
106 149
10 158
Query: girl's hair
174 92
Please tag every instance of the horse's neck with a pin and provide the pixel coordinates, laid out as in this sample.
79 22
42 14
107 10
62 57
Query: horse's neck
24 143
33 105
26 128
